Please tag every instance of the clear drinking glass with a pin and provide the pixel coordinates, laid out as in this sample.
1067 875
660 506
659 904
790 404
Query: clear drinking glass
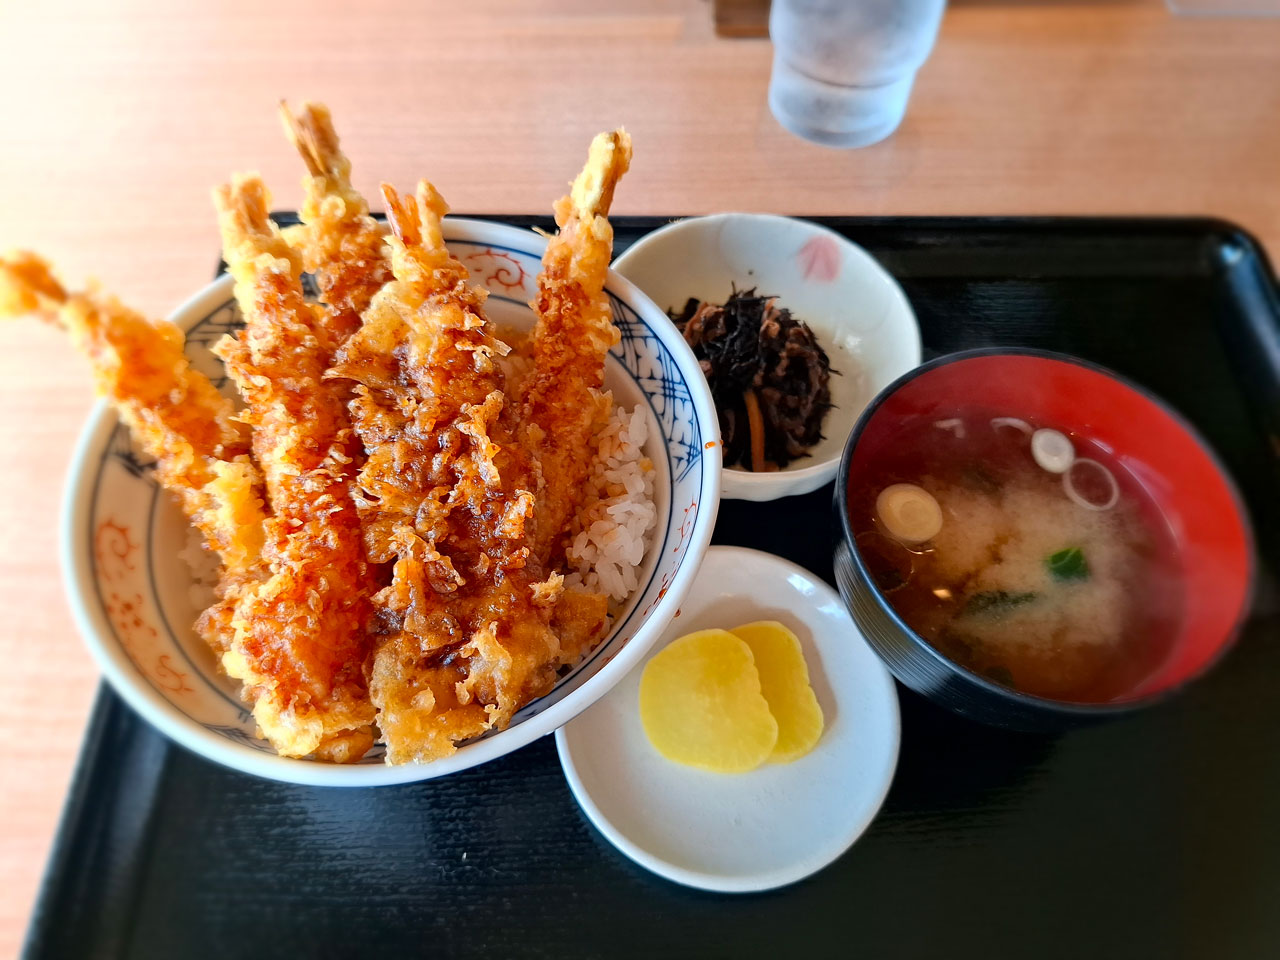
843 69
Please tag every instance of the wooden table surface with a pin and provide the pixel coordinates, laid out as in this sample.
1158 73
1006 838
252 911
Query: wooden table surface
118 119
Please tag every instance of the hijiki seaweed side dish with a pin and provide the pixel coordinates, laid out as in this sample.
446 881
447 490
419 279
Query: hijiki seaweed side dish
768 375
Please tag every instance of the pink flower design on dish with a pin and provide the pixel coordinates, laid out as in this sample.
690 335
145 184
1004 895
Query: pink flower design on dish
820 259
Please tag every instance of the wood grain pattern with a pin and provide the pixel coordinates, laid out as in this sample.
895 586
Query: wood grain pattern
118 118
742 18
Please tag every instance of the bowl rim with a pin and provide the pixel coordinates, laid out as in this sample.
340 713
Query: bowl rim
1060 707
811 476
164 716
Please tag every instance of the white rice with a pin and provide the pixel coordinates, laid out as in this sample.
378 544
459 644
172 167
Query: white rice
608 537
518 363
610 534
205 568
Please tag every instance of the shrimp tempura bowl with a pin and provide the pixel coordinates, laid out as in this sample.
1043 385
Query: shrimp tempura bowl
498 600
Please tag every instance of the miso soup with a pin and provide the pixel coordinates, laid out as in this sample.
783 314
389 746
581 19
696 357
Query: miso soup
1028 556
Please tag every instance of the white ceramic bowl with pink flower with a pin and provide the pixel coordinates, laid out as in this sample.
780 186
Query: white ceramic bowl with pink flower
854 306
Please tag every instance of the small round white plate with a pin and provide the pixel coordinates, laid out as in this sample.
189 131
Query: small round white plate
737 833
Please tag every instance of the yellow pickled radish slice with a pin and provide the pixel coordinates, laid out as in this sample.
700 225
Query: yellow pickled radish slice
784 681
700 704
909 513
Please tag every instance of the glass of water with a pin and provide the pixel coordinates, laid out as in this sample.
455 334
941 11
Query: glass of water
843 69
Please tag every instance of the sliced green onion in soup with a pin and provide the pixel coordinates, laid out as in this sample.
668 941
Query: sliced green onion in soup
1012 423
998 601
1079 474
1068 564
1053 450
952 425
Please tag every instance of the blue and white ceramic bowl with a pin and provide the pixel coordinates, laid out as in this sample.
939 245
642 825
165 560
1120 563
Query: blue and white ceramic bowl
132 592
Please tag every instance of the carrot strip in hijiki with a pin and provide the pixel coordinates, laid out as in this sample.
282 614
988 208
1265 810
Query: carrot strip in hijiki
300 634
562 406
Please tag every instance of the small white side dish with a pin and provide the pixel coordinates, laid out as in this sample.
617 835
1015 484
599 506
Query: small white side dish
737 833
857 310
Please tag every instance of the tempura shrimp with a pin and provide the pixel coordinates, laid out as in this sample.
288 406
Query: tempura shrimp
300 634
562 406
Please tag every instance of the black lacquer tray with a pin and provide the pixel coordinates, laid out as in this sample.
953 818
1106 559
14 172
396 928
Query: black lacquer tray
1156 835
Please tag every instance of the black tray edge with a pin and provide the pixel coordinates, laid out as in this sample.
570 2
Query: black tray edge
60 895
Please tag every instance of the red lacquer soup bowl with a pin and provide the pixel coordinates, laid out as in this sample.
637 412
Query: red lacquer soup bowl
1208 546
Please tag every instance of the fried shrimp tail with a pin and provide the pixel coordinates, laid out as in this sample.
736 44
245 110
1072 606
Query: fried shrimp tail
175 412
300 634
562 406
341 245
